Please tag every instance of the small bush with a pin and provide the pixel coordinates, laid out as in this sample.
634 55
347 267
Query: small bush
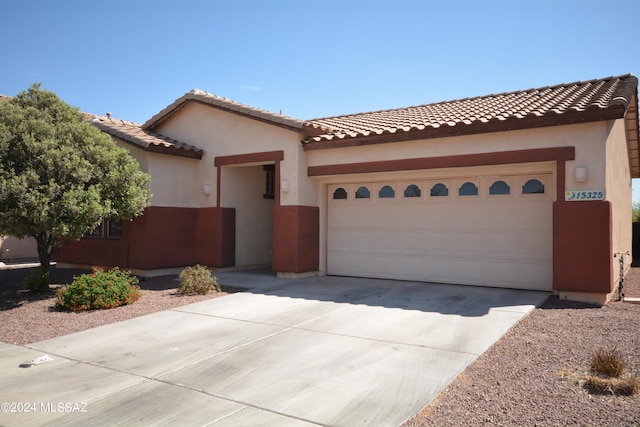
37 281
197 280
99 290
608 363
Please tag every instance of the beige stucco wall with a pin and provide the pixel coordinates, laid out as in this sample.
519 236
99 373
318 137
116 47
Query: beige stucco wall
220 133
587 138
13 248
618 186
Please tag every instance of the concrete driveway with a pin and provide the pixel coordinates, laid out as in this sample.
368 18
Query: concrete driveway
316 351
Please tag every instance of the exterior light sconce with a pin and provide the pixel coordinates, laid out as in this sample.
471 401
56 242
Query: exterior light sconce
582 174
206 189
284 185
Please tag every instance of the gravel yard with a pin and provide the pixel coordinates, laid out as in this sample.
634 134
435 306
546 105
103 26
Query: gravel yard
27 318
532 376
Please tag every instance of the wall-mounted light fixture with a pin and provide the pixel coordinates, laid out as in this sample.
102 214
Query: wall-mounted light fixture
206 189
582 174
284 185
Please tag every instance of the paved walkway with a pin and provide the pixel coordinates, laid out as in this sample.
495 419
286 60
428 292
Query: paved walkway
316 351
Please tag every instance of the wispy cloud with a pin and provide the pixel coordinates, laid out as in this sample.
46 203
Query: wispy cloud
252 88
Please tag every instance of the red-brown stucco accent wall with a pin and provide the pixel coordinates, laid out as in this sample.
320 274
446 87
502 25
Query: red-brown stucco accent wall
216 237
582 246
296 239
163 237
95 252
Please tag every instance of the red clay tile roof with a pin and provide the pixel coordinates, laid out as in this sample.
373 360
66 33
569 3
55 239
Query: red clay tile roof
603 99
148 141
206 98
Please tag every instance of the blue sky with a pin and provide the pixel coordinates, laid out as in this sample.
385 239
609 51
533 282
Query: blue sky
308 58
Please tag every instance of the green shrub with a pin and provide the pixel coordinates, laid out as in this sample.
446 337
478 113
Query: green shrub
608 363
99 290
37 281
197 280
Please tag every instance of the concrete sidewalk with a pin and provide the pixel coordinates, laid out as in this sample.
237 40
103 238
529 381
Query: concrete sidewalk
316 351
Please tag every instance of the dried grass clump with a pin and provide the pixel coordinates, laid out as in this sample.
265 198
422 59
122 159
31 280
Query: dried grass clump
607 367
608 363
626 386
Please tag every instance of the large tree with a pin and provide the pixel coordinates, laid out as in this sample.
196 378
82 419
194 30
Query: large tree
60 176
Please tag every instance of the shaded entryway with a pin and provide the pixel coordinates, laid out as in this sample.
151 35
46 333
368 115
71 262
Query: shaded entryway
244 189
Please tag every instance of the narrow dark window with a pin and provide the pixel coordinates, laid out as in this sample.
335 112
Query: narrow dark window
340 194
499 187
270 182
439 190
386 192
412 191
533 186
363 193
114 229
468 189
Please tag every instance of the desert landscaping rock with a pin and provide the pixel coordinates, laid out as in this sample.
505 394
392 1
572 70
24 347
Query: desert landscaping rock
534 375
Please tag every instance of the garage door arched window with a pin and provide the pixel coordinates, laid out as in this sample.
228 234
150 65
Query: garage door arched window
439 190
499 187
387 192
363 193
412 191
340 194
533 186
468 189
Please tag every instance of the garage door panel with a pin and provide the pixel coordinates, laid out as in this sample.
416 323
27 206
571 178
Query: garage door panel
471 272
533 243
340 263
438 242
499 241
411 244
483 240
385 242
468 242
338 240
438 270
362 240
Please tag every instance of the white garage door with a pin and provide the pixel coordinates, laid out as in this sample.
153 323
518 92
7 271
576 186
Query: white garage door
484 231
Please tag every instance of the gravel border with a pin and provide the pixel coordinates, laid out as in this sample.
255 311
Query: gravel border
532 377
27 318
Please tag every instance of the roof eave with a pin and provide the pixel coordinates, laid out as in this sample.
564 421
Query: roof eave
615 111
145 146
633 136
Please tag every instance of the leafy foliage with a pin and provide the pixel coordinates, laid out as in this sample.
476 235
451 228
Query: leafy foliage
37 281
197 280
635 212
59 175
99 290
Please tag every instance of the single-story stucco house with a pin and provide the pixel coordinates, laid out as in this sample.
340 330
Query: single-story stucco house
528 189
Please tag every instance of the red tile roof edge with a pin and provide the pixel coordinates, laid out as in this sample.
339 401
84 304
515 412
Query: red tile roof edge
597 99
206 98
149 141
